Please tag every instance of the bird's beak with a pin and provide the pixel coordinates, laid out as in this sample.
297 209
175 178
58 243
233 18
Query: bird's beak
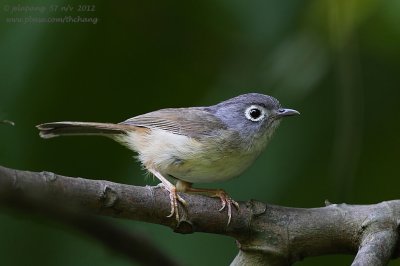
285 112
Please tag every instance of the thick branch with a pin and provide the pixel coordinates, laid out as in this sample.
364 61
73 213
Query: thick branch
132 245
149 204
379 239
267 234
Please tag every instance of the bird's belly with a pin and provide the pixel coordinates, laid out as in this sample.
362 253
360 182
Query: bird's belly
188 159
209 168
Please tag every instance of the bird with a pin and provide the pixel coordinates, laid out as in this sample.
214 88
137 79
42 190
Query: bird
192 144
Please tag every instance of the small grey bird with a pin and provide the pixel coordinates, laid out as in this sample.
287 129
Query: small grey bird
192 145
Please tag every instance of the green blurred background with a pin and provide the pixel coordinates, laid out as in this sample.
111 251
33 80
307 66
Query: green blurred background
337 62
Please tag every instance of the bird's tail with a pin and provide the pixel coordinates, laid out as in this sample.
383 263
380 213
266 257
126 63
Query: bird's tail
55 129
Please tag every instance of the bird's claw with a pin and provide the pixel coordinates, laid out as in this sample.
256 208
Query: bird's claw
174 198
226 201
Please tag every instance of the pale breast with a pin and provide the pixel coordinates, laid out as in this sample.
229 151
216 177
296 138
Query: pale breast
188 159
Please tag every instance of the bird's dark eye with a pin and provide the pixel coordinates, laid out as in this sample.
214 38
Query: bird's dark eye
255 113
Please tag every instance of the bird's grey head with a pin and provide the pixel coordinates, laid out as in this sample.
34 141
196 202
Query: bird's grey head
254 116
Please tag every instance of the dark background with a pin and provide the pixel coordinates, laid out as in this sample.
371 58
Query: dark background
337 62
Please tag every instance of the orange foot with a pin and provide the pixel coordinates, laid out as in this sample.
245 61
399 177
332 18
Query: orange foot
226 200
173 194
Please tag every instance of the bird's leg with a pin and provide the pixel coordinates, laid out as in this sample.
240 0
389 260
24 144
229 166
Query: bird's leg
173 195
226 200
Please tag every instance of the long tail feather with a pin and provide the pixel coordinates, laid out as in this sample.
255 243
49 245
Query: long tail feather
50 130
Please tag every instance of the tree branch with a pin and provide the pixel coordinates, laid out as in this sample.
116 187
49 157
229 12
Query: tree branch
266 234
133 246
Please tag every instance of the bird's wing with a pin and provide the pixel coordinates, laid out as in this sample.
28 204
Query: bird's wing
194 122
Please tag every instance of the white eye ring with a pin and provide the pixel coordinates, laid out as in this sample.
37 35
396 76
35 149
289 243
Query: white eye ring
255 113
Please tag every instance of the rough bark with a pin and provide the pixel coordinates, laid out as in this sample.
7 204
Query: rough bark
266 234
